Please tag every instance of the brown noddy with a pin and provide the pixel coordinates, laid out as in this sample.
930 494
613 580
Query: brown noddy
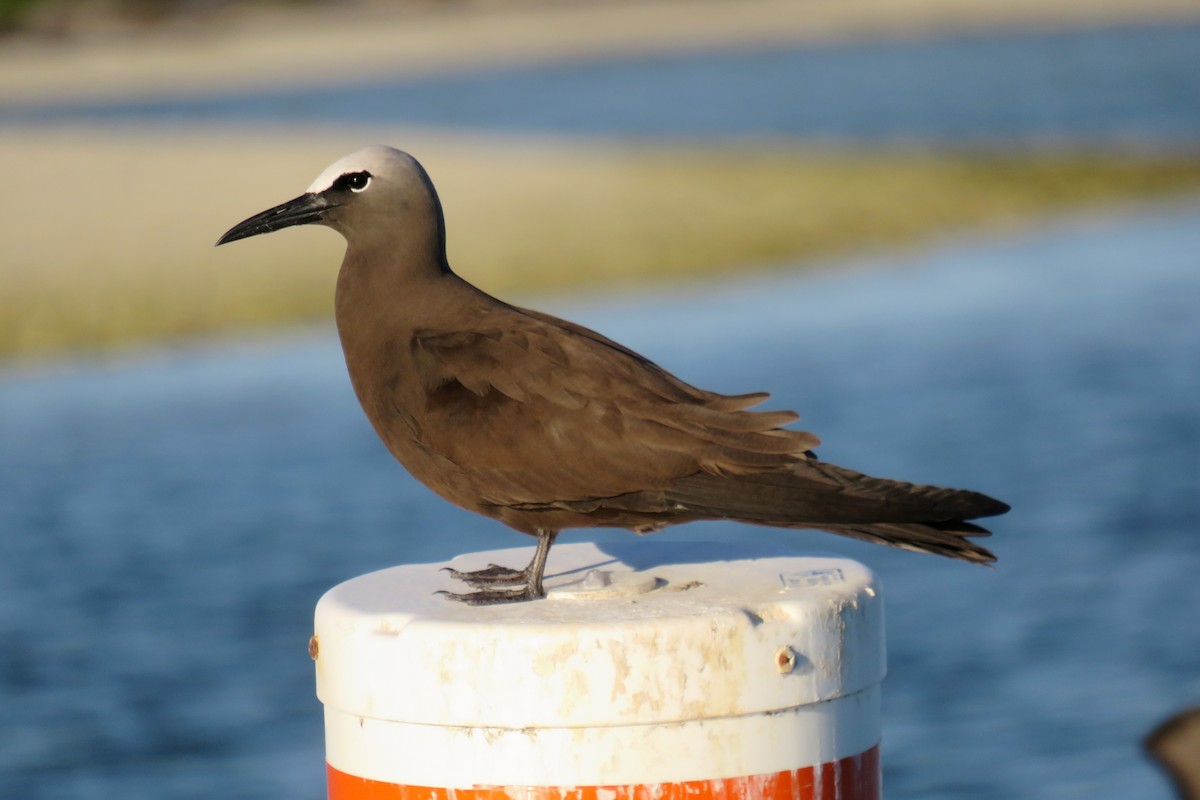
545 425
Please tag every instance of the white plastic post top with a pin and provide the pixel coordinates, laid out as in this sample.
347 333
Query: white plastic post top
630 633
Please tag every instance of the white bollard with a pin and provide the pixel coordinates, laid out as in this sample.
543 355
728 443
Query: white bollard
652 671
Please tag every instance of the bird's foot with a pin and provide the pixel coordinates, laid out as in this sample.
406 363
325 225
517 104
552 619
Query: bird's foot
495 597
498 585
490 577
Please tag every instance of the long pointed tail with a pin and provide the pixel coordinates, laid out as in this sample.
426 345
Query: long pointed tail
814 494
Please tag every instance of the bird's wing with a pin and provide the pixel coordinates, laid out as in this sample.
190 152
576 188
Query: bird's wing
534 410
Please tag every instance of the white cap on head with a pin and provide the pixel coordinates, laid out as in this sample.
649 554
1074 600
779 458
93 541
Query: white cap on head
378 159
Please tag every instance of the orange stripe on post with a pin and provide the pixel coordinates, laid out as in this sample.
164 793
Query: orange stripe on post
853 778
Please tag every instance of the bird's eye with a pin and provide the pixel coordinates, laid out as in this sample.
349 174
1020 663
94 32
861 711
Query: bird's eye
355 181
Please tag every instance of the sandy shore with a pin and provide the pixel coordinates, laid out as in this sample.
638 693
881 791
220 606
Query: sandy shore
249 48
108 234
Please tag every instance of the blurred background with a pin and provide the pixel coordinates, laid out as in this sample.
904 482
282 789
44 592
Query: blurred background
962 239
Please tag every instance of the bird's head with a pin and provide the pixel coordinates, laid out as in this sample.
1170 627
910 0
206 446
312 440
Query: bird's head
376 196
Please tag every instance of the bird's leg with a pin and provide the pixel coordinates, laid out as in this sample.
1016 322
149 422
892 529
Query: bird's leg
495 576
537 567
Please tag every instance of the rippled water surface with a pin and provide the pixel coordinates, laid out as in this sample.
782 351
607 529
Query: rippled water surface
167 522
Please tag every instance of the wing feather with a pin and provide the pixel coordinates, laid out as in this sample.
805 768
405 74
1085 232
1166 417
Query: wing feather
559 412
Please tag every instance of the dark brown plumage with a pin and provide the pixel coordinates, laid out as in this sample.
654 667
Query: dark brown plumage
546 425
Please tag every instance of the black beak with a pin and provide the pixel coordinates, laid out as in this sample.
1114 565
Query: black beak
305 209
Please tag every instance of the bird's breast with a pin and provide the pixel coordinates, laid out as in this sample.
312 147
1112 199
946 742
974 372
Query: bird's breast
390 390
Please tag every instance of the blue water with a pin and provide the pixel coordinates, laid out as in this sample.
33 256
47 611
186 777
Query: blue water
1127 84
169 520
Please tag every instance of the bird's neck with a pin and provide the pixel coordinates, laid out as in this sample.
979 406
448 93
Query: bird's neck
385 291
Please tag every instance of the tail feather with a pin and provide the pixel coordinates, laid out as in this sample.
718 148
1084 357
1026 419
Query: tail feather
933 538
814 494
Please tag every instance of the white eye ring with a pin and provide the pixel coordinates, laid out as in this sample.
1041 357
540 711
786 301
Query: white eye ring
353 182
